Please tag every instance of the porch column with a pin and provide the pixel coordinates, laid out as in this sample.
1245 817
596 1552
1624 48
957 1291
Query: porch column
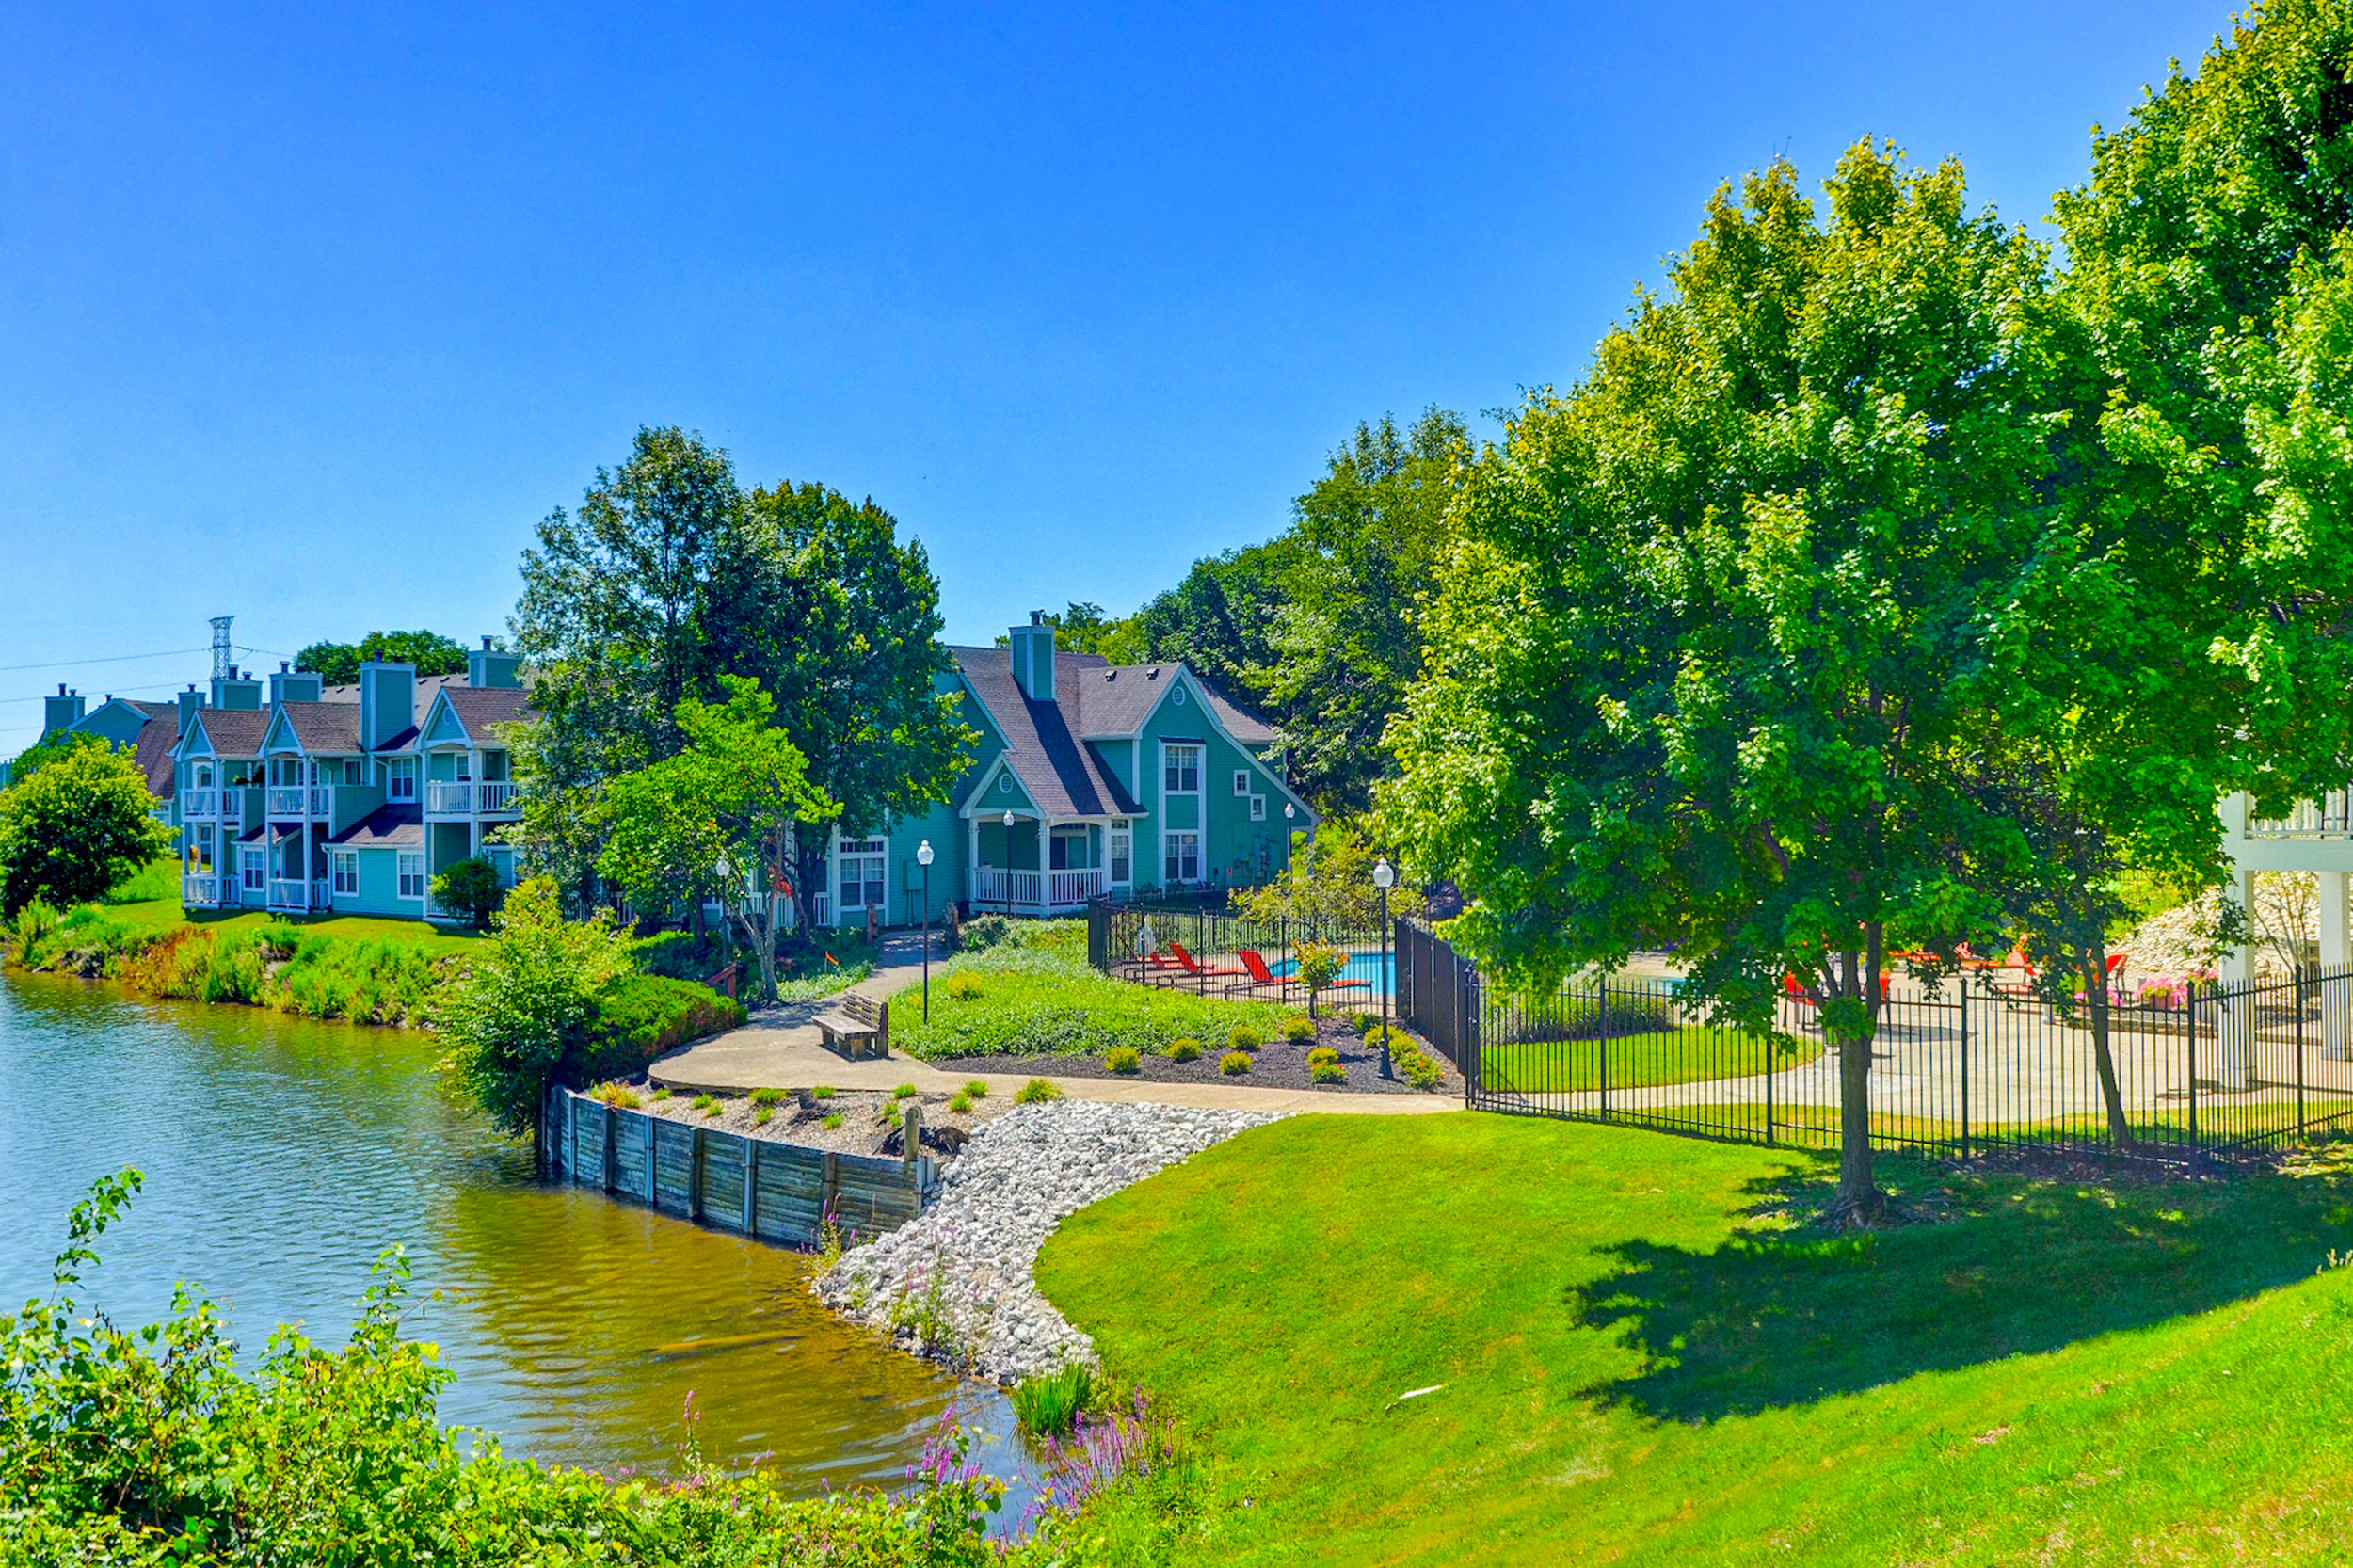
972 858
2336 952
2234 1016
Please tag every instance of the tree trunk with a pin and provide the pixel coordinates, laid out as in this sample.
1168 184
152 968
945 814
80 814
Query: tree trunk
1859 1201
2095 970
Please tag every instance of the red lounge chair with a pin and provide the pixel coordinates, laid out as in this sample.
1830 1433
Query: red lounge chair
1196 969
1260 975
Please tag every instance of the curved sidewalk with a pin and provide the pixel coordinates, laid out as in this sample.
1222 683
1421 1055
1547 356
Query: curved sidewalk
781 1049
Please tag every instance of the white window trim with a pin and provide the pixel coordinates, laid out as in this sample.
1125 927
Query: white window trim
1200 762
1199 862
1257 807
1241 781
344 863
402 873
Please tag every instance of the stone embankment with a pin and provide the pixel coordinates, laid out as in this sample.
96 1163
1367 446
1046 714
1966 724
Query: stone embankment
956 1283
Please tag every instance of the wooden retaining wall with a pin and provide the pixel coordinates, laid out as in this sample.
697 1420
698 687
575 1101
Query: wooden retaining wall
753 1186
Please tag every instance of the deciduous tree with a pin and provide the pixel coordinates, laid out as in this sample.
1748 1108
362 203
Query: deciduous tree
81 822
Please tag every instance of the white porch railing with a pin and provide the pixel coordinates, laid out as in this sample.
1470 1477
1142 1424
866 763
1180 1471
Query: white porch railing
290 895
198 805
199 891
993 887
283 801
494 800
322 893
1065 888
447 798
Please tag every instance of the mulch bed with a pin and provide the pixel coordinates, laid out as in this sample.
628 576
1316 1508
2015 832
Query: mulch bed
1276 1065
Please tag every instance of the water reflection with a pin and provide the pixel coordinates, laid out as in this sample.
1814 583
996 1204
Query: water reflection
282 1156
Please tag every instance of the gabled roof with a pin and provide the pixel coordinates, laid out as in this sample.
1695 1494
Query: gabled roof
155 751
320 729
386 827
1118 700
427 687
232 731
1063 775
481 711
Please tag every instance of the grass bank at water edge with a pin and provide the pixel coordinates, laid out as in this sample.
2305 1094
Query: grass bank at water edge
1620 1346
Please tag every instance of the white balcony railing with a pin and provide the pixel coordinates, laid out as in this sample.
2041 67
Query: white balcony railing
284 801
290 895
463 798
198 805
2328 818
199 891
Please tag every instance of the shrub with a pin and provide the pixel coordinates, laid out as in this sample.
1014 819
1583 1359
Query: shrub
616 1094
1328 1072
1124 1058
1184 1050
470 888
709 1105
959 1102
1234 1063
888 1115
1051 1402
527 1000
822 1092
977 1089
1324 1056
1036 1092
1365 1023
35 924
904 1091
833 1121
641 1015
1299 1030
1411 1063
759 1117
963 987
984 932
1243 1037
662 1093
768 1096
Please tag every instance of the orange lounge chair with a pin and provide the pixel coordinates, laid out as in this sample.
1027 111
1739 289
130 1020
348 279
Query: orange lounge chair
1260 975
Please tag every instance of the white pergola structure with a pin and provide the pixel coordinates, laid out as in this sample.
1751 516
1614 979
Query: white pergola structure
2316 836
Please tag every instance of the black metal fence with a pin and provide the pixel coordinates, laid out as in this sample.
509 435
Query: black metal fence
1201 943
1974 1064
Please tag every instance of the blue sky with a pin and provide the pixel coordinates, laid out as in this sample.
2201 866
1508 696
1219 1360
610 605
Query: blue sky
309 314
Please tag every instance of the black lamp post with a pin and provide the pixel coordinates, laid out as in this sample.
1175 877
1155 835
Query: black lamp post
924 859
1385 877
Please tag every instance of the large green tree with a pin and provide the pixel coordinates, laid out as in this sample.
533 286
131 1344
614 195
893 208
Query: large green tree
339 663
612 618
77 824
839 621
2182 634
1718 623
720 818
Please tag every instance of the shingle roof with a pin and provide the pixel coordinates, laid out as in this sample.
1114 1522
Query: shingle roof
325 728
1116 699
1063 776
487 709
158 738
235 731
385 827
427 686
153 710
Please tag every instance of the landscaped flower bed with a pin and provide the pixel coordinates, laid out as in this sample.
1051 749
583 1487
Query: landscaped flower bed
1026 1002
1274 1061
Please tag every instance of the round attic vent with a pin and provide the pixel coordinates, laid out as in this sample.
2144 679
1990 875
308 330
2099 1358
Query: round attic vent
1004 783
1177 696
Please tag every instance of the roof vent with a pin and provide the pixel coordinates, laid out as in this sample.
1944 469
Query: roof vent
1037 618
1152 674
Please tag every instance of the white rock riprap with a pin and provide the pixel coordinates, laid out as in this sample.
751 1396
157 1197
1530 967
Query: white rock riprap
956 1283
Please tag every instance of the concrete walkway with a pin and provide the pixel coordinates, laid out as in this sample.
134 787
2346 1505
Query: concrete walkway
781 1049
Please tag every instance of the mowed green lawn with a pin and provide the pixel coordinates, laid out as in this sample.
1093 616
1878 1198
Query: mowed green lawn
150 901
1633 1365
1638 1061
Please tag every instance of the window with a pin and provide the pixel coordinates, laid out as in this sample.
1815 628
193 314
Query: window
346 874
864 872
412 875
1067 851
351 772
203 776
249 866
1119 857
1257 807
1184 858
1181 768
1241 781
400 779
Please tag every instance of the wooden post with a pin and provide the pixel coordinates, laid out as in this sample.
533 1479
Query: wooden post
829 1188
612 1148
694 1176
882 1027
751 1184
653 1175
911 1132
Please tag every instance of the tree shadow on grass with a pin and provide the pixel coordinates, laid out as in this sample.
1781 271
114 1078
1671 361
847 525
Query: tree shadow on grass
2005 1264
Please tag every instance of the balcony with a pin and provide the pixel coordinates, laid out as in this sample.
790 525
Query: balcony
995 888
464 798
2328 818
206 890
288 896
200 805
288 802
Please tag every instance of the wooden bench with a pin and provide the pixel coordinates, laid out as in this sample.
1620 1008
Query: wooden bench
857 1026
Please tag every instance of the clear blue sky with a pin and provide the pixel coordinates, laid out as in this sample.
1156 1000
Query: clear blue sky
308 314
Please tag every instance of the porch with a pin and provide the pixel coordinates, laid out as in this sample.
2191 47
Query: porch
1017 864
999 891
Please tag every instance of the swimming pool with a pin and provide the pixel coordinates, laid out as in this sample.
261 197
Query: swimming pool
1374 970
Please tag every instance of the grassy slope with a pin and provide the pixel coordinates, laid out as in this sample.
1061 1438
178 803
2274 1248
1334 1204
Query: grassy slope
150 901
1044 1001
2067 1374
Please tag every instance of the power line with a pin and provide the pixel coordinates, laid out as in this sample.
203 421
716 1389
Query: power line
111 658
154 686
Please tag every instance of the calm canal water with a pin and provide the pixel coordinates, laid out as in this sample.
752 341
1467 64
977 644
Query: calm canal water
282 1155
